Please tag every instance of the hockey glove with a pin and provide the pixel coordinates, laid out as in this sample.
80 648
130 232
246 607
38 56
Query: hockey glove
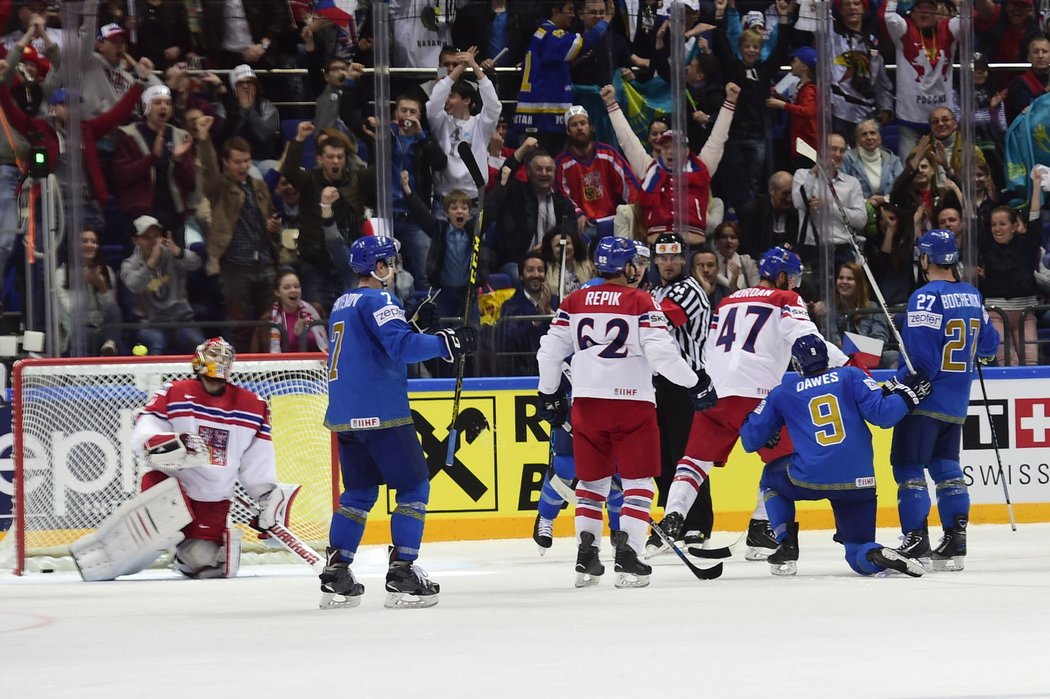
459 341
986 360
773 441
554 408
425 317
912 388
169 451
704 395
270 505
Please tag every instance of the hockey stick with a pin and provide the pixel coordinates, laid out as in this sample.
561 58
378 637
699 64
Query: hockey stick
711 573
807 151
995 443
467 156
284 536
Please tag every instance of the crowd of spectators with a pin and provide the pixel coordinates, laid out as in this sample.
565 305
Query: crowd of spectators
229 151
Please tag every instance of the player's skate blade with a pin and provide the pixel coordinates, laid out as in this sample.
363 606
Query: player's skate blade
782 568
332 600
760 540
891 559
630 572
408 587
339 587
588 568
949 565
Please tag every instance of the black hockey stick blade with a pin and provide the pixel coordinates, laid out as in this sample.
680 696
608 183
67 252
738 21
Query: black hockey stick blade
711 573
720 552
467 155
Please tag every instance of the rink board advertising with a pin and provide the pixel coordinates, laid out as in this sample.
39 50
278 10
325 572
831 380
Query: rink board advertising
493 485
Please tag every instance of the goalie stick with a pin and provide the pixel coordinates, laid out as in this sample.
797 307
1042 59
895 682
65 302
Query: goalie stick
467 156
809 152
569 495
284 536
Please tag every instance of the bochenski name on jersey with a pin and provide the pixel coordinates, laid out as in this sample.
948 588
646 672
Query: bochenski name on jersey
961 300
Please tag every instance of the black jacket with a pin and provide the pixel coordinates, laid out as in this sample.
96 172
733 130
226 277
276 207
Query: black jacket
756 227
420 214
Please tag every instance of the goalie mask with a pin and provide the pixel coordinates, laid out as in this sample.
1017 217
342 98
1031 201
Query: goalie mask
214 359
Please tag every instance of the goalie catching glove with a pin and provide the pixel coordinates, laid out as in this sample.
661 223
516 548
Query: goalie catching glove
170 451
912 388
459 341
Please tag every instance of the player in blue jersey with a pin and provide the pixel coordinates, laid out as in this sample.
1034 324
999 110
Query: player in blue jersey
371 346
946 329
825 412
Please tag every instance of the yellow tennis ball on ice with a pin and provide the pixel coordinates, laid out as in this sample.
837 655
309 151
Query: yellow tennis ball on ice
140 350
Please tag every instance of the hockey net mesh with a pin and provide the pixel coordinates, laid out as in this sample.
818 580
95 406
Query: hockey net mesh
75 424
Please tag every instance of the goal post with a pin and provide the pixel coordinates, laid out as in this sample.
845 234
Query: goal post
72 422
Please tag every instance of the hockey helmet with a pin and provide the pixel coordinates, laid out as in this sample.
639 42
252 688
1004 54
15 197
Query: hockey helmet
669 244
613 254
809 355
939 245
642 254
214 359
777 260
369 249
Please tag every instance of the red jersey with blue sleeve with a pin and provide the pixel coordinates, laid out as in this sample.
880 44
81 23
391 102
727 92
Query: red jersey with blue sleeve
234 425
946 329
546 83
825 416
370 347
618 337
598 183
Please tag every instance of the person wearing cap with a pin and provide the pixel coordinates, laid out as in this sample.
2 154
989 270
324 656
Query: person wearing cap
251 116
802 112
593 175
860 86
107 73
155 274
546 81
744 158
154 169
243 31
924 43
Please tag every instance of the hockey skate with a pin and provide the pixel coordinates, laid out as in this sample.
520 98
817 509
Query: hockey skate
671 525
588 568
892 559
339 587
916 545
408 587
695 538
760 540
630 572
951 552
542 533
784 560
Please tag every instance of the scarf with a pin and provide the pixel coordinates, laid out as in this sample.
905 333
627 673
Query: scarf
305 311
872 167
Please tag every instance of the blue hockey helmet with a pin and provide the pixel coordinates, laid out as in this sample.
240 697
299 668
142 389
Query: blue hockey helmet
939 245
777 260
369 249
613 254
809 355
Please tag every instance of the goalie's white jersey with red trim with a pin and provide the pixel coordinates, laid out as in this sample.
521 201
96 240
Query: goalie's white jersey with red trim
235 426
749 346
618 337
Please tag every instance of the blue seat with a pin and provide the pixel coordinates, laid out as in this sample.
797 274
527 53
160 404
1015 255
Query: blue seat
289 127
498 280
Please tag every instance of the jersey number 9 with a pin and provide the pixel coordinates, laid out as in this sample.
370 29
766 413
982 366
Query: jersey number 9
824 412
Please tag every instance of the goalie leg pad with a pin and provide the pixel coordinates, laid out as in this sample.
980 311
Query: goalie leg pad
135 534
203 559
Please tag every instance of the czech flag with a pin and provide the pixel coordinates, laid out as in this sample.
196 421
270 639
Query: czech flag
865 351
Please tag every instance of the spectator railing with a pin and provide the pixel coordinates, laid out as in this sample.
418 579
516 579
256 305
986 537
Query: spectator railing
223 324
1007 332
1022 341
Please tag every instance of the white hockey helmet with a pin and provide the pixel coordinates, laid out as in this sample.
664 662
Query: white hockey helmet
214 359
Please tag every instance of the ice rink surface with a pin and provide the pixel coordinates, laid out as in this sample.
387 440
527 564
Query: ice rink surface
511 624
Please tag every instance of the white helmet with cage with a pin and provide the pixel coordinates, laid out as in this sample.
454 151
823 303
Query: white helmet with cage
214 359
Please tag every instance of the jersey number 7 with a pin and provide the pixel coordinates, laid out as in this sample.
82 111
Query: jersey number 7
956 355
728 335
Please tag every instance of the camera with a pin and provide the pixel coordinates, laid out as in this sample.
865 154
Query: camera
406 123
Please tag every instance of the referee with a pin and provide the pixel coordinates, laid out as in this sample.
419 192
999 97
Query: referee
683 301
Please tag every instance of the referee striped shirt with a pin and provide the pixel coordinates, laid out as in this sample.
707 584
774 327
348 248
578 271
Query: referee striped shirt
686 298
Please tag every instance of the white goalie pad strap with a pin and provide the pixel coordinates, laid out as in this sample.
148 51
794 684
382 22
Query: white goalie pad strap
134 535
169 451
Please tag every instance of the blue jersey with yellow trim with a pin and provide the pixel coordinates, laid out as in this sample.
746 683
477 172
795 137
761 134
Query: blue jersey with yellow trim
945 331
546 84
825 416
370 348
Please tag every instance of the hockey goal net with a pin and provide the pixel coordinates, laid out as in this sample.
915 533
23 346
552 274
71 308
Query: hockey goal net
72 422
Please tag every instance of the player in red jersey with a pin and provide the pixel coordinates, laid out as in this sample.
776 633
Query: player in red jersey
618 338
